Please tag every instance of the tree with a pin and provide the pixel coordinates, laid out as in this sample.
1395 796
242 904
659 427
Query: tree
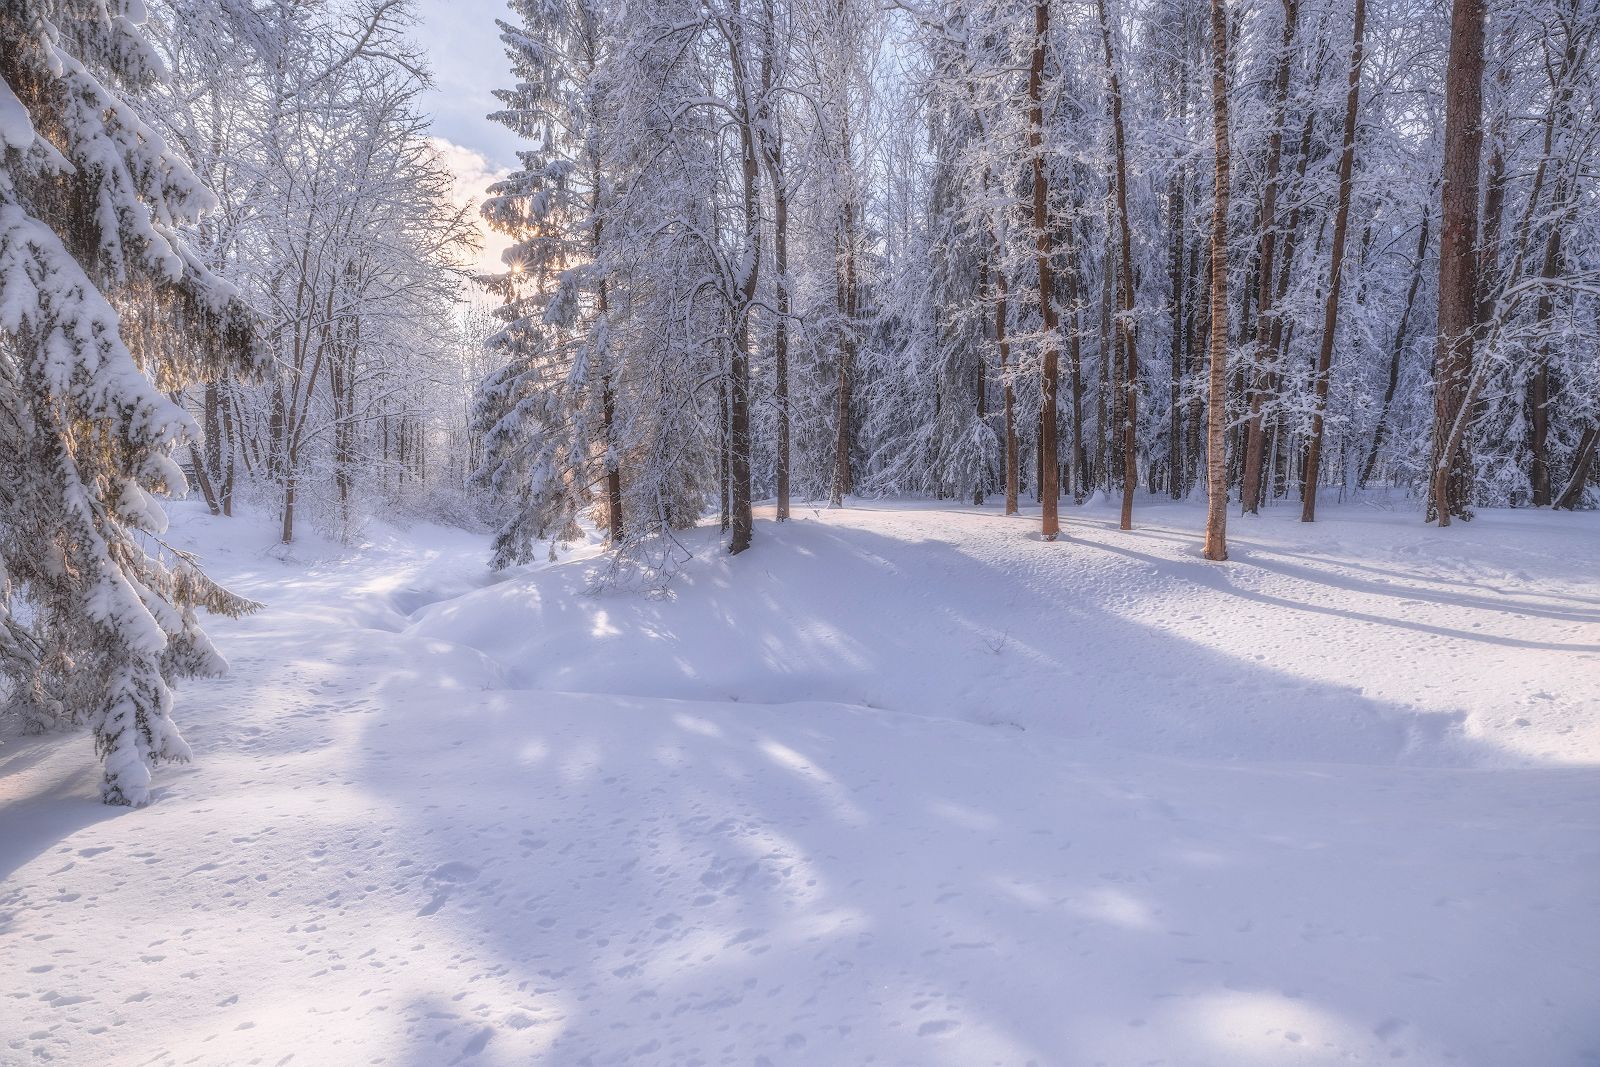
1250 490
1341 225
1216 544
1450 478
1127 345
1044 244
103 311
550 411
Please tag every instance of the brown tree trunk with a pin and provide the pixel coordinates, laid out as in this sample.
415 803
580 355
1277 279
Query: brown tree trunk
1395 348
225 490
1539 383
724 485
1195 331
608 399
1450 477
1254 448
1341 227
770 129
1125 335
1049 474
1573 493
845 265
1104 397
1216 546
741 517
213 431
1175 196
1078 473
608 414
203 480
287 533
1008 396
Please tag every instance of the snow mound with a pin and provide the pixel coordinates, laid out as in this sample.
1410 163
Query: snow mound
1311 645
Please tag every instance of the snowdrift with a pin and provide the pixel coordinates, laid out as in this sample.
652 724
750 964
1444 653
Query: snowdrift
1308 646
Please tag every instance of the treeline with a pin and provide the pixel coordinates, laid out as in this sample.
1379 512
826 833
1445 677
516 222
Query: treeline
335 222
806 248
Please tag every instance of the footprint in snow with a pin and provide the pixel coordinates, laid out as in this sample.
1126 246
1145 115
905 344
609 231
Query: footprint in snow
935 1027
454 871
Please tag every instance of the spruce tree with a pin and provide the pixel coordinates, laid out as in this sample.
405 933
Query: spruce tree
104 315
548 412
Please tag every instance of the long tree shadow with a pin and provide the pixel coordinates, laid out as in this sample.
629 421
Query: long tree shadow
1218 580
684 882
41 806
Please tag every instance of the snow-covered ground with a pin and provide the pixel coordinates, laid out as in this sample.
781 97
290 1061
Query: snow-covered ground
902 784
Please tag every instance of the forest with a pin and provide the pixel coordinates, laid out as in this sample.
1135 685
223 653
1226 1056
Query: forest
860 479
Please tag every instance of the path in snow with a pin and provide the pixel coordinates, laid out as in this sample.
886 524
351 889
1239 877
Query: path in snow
518 825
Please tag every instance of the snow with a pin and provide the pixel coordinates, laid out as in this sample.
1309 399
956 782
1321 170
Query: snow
901 784
16 130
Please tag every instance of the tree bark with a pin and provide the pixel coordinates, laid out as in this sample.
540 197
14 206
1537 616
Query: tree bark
1049 472
1250 489
1078 473
1175 198
770 129
1572 495
1125 334
1008 395
741 518
608 400
1216 545
1539 382
1450 477
1341 227
845 265
1396 347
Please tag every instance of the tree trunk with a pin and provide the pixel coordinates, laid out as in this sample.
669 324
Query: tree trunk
225 491
1539 382
1195 331
1216 546
1075 378
1125 334
1175 196
845 265
1450 477
1395 348
203 479
213 431
742 520
770 128
1105 402
1008 396
1049 473
723 484
1250 490
608 413
1572 495
1341 227
287 532
608 399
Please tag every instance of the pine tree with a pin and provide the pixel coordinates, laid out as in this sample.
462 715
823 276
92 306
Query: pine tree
103 312
549 412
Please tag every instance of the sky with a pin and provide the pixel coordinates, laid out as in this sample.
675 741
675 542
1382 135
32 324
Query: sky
468 61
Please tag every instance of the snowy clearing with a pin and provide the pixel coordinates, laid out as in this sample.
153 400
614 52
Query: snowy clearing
902 784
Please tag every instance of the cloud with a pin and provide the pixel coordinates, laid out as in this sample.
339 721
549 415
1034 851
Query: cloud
471 174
